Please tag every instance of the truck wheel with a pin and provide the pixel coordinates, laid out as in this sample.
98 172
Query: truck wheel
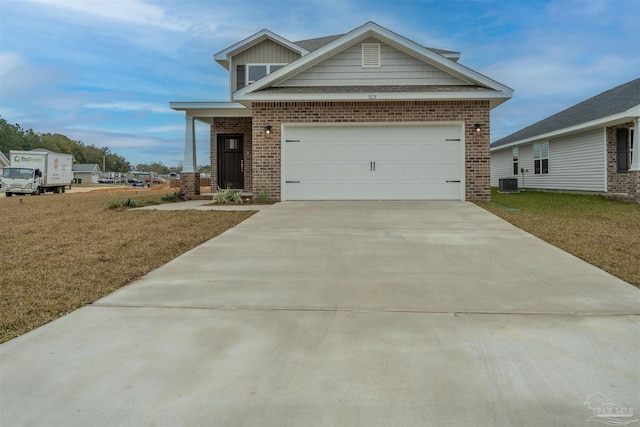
37 192
63 189
8 194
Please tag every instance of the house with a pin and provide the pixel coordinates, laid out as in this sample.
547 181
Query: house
590 147
364 115
86 173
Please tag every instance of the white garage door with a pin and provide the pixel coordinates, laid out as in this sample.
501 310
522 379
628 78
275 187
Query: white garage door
373 162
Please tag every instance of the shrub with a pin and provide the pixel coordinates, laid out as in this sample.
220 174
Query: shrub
263 197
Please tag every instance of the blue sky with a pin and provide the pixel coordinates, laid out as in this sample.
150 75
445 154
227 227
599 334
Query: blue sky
103 72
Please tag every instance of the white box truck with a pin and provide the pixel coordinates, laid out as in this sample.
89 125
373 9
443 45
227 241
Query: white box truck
37 171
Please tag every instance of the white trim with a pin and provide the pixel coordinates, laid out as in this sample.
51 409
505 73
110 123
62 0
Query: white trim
372 29
189 164
630 115
257 64
211 109
541 158
606 159
494 97
635 153
223 57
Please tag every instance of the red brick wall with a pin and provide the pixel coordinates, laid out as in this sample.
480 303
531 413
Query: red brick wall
266 148
232 125
190 185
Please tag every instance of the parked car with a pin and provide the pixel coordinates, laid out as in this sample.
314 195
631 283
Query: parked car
105 181
154 181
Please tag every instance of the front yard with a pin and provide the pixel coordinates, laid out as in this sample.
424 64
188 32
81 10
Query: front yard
62 251
602 232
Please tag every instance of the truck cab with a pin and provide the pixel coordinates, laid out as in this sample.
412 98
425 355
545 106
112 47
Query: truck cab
20 180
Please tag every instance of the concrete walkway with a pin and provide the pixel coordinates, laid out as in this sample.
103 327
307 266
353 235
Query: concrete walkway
341 313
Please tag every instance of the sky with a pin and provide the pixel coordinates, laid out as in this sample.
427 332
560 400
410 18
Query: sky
103 72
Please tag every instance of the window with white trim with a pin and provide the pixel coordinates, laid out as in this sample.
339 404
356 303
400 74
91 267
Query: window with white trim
258 71
516 170
541 158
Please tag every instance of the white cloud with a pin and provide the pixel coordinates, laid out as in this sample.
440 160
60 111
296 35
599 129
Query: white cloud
169 128
9 61
130 106
127 11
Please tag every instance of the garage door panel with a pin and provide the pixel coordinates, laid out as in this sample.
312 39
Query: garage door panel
373 162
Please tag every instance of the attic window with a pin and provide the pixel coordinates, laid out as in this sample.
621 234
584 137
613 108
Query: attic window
370 55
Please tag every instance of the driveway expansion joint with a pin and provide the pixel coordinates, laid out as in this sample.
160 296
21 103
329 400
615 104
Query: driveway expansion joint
360 310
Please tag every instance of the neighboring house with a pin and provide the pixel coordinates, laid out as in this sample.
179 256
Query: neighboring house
4 163
364 115
86 173
590 147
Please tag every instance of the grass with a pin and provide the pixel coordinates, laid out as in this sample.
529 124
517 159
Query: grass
603 232
62 251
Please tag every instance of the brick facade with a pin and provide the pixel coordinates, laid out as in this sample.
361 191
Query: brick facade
624 184
232 125
266 148
262 157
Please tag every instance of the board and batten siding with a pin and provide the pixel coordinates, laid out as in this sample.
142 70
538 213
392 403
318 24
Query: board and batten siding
265 52
397 68
576 163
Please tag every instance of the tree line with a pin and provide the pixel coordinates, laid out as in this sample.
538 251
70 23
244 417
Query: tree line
13 137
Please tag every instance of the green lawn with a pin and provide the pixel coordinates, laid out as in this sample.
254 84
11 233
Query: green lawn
602 232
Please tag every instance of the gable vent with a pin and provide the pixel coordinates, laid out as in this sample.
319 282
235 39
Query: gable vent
370 55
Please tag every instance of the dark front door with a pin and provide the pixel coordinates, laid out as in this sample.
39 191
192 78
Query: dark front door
230 161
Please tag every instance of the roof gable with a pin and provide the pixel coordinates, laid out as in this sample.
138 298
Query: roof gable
224 56
391 39
397 68
85 167
601 108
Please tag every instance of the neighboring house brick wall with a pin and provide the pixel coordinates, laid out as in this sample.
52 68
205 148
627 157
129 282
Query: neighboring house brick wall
634 177
232 125
266 148
618 182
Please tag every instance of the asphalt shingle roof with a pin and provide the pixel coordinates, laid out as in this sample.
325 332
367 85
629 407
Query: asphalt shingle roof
608 103
313 44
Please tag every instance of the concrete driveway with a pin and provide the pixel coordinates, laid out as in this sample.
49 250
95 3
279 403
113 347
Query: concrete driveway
341 313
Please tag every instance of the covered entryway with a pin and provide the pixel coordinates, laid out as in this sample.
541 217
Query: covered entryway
399 161
230 161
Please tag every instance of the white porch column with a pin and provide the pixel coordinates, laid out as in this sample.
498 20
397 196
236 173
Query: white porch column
189 165
635 154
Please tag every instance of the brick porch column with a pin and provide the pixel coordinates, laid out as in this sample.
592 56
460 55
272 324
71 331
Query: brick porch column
190 185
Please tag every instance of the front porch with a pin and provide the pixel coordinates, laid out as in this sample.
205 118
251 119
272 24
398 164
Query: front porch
228 118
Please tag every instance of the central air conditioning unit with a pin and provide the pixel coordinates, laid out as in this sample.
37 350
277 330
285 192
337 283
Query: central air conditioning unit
508 185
